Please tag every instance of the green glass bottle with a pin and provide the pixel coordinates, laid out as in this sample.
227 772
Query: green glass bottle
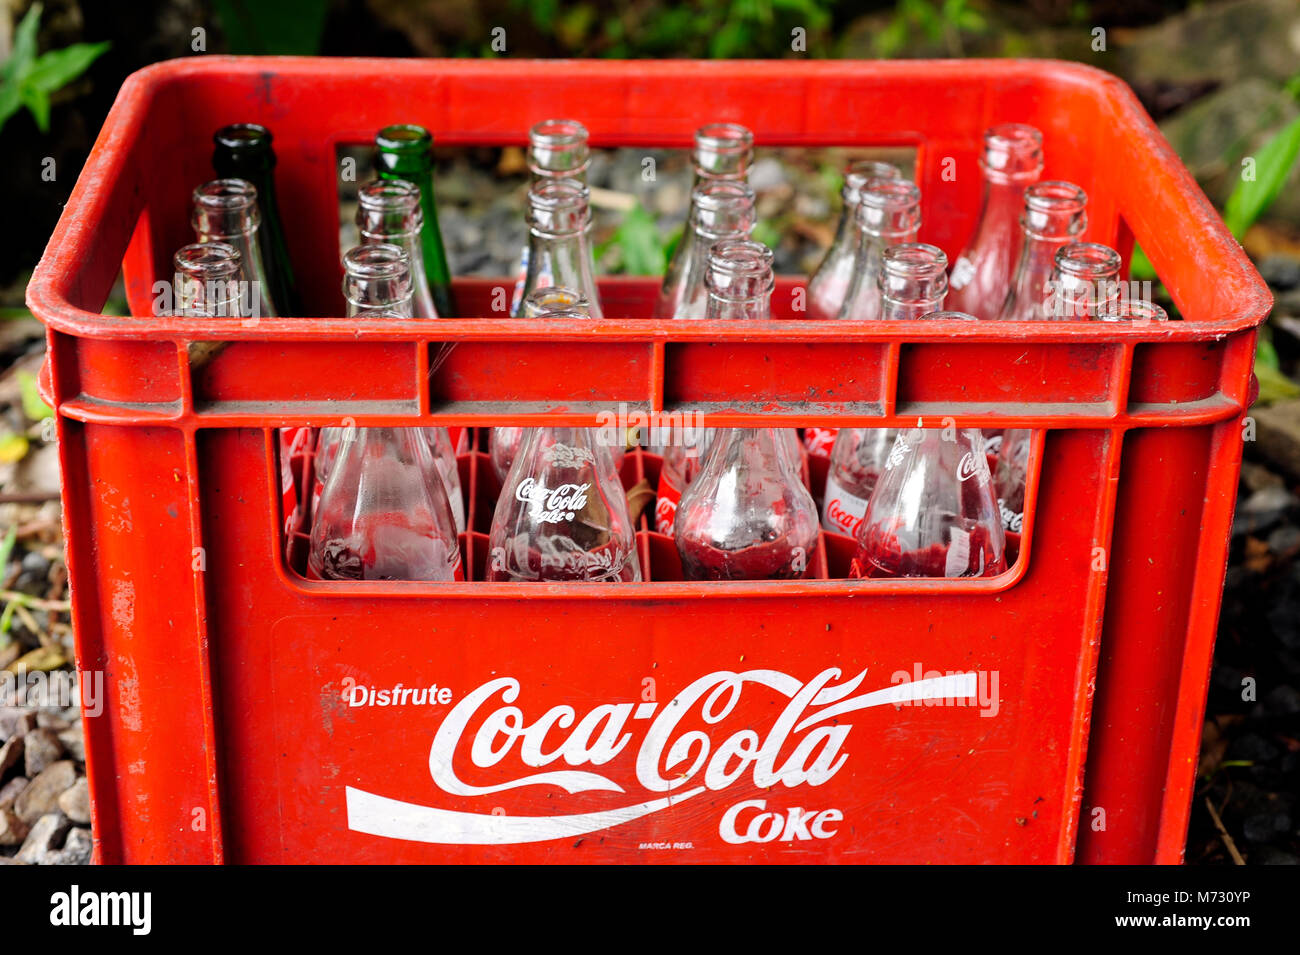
243 151
406 152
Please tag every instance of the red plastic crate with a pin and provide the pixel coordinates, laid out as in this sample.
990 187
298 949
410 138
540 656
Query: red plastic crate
668 720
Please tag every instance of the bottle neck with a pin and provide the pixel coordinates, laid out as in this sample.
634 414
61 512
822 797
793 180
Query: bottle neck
404 153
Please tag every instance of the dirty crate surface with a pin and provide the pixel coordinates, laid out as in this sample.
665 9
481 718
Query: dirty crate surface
255 716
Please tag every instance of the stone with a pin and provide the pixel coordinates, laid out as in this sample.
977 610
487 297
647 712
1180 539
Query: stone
42 747
1277 435
10 790
75 802
11 755
74 742
16 721
76 850
42 796
767 173
52 721
45 837
1285 540
12 829
1256 476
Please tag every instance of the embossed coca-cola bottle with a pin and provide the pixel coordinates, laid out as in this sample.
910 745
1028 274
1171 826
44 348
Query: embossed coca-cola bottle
933 513
857 461
1009 476
720 209
829 285
747 515
225 211
1055 213
1012 159
562 514
889 214
383 513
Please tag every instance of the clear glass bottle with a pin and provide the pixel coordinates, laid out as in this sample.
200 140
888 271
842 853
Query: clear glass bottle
857 461
722 151
913 282
747 514
559 244
225 210
1136 310
244 151
388 210
206 281
1054 214
933 513
1012 159
720 210
739 281
1009 476
1085 282
563 515
829 285
889 214
405 152
557 149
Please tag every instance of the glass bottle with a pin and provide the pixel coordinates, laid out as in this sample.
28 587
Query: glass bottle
559 245
225 210
1012 159
1054 214
383 514
739 281
557 149
722 151
1136 310
1085 282
913 282
563 515
829 285
888 214
243 151
857 460
406 152
720 209
933 513
388 210
747 514
206 280
1009 476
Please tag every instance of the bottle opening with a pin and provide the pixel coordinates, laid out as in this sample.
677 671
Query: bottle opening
226 195
243 137
378 260
862 171
723 150
1088 260
1012 151
1133 310
556 302
889 207
915 260
390 195
739 269
404 138
1054 210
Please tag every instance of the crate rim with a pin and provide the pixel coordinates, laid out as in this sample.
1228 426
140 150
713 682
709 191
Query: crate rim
48 292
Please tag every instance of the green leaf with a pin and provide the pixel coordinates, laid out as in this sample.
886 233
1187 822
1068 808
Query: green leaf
638 240
34 405
37 102
7 547
13 448
24 45
1140 268
1273 163
11 100
57 68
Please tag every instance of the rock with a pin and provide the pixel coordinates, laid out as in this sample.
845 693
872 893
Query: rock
16 721
74 742
1277 435
6 860
12 829
1256 476
44 838
42 749
767 173
1280 271
1283 700
1285 540
76 850
52 721
1254 748
11 754
1262 510
75 802
10 790
42 796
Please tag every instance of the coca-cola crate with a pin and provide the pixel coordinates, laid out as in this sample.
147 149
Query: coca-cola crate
666 720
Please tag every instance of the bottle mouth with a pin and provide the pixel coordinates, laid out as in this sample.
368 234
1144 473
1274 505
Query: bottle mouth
1135 310
226 195
949 315
1012 152
861 171
739 269
889 207
556 302
243 138
723 150
1088 260
405 138
208 260
559 207
558 147
377 260
915 260
1054 210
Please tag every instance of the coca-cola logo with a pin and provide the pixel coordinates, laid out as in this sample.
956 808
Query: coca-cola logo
1011 520
973 464
842 518
662 748
551 506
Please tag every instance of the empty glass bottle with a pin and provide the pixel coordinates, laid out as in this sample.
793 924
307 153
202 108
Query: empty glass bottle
1054 214
557 149
406 152
857 461
888 214
206 282
388 210
1012 159
722 151
720 209
747 515
739 281
933 513
243 151
1136 310
1009 476
829 285
559 245
225 210
1084 283
913 283
562 515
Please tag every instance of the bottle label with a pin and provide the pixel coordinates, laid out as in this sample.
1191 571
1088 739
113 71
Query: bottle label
962 272
819 441
667 497
552 506
842 512
1011 520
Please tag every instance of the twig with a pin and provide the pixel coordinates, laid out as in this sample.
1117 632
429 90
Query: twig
28 497
1227 839
14 596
